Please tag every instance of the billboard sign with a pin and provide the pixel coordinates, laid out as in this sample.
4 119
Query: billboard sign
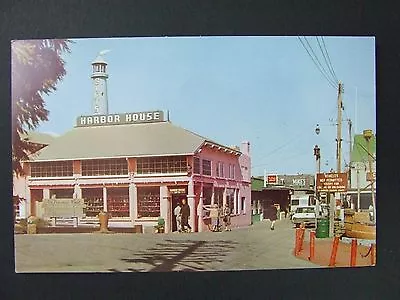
271 179
332 182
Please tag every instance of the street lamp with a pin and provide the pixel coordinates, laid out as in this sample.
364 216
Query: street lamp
317 129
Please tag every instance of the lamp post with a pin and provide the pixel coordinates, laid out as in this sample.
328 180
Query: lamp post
367 136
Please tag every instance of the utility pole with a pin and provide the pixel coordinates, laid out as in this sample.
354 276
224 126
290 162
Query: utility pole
350 137
338 158
339 129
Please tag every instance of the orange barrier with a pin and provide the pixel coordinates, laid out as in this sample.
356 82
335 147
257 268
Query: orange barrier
296 243
353 253
334 251
302 231
373 254
312 245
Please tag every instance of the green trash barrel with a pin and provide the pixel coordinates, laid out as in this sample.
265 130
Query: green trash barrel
322 228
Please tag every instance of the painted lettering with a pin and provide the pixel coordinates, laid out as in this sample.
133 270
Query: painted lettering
116 119
83 120
96 120
128 118
90 120
110 119
149 116
103 119
156 115
142 116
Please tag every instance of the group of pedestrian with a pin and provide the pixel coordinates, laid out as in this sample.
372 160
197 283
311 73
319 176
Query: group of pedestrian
216 214
182 215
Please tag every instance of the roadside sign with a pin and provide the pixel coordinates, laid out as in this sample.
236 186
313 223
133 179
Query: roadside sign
332 182
272 179
371 177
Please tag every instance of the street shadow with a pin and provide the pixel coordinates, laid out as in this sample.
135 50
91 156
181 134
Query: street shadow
180 255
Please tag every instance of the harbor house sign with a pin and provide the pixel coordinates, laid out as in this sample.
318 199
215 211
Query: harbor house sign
118 119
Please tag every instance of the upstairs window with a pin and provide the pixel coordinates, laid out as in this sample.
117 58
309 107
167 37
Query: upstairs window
51 169
196 165
162 165
98 167
206 164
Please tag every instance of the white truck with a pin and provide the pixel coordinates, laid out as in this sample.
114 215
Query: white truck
299 201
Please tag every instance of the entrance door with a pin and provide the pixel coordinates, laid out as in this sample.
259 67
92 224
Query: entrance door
176 198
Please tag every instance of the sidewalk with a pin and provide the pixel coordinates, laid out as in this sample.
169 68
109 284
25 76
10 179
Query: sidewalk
323 250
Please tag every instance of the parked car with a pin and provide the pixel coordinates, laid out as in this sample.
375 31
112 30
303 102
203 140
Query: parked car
304 214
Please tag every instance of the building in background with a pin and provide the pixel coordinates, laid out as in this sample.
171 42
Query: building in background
360 175
136 167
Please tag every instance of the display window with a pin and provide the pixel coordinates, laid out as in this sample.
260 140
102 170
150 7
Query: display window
148 201
93 199
118 202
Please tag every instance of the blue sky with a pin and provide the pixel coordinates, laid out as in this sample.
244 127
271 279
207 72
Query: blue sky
266 90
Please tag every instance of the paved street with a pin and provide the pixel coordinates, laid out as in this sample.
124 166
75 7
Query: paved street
255 247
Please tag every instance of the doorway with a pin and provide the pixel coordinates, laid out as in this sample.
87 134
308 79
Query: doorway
175 199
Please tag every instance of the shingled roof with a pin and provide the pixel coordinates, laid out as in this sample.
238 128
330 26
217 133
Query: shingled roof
133 140
39 137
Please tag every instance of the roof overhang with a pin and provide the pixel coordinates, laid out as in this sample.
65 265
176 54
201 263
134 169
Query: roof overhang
111 157
219 147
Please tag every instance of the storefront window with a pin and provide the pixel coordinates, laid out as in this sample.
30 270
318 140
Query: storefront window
51 169
161 165
207 194
218 196
98 167
206 164
148 199
230 199
118 202
93 198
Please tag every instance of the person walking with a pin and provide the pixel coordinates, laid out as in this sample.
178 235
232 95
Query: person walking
178 217
273 216
185 214
227 217
213 216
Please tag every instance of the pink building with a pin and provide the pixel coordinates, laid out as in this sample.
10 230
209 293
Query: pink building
137 167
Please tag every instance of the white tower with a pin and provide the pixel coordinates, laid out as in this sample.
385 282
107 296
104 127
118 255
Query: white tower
99 76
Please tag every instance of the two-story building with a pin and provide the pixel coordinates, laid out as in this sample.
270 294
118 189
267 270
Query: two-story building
137 171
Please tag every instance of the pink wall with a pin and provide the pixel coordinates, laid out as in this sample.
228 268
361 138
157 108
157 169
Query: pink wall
242 179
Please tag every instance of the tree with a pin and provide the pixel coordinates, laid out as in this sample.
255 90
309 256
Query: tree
36 68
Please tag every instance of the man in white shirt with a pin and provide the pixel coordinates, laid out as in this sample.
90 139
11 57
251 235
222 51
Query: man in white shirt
177 213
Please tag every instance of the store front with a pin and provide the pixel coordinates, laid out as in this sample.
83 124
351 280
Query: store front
177 194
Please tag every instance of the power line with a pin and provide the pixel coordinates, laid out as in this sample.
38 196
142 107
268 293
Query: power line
330 81
319 63
329 60
330 68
